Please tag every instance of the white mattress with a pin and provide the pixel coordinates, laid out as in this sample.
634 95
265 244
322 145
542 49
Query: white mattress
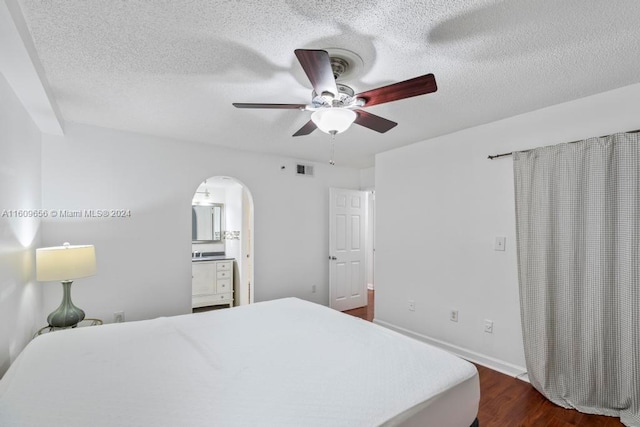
280 363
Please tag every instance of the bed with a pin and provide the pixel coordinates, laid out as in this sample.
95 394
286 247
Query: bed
285 362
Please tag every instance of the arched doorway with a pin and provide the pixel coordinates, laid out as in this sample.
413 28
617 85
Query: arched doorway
222 244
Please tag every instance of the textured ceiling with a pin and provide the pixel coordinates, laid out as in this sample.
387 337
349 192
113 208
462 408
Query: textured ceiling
173 68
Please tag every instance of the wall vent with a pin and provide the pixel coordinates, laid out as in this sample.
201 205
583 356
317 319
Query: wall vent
304 169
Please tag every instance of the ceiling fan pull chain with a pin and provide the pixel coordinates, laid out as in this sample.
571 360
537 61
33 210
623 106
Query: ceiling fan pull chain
333 150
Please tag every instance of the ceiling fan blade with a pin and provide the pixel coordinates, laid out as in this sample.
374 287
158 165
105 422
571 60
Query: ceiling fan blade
406 89
373 122
317 66
281 106
306 129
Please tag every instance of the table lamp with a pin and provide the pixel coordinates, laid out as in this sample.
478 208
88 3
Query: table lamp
65 263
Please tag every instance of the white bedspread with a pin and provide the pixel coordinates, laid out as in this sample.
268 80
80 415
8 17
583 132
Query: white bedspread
280 363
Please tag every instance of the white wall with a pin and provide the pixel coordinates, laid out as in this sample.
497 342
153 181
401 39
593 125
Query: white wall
144 262
233 222
440 203
244 267
233 219
368 184
20 294
368 178
370 238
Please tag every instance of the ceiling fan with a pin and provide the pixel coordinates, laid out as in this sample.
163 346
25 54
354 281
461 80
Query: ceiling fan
335 106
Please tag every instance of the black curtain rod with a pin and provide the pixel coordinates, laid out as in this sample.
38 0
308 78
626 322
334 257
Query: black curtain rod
495 156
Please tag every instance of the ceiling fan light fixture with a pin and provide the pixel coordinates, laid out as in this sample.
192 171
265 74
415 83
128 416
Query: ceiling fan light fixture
333 120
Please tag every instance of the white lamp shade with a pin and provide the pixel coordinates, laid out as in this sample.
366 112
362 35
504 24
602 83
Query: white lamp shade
333 120
65 262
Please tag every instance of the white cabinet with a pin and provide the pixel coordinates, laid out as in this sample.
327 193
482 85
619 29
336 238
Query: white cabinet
212 283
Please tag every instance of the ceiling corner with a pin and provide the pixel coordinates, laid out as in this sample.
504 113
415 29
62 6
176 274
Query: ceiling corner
20 65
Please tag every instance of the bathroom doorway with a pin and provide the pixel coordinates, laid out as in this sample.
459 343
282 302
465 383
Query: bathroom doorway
222 244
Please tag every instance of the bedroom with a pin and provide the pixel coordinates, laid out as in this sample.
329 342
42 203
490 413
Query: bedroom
144 265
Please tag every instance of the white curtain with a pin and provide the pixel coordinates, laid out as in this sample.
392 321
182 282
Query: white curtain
578 238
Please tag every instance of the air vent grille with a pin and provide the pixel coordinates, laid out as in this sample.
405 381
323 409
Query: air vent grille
304 169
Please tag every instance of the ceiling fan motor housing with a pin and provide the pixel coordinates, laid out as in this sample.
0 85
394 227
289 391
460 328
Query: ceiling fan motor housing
344 97
338 66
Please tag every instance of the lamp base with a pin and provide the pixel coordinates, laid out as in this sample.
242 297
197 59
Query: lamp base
66 315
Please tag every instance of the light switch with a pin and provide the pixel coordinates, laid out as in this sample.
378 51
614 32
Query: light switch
500 243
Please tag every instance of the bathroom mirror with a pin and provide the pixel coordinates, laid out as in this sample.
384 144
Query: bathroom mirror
206 223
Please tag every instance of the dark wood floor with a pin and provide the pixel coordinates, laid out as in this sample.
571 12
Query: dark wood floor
365 312
506 401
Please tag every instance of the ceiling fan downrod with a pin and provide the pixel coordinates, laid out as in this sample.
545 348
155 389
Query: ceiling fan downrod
338 66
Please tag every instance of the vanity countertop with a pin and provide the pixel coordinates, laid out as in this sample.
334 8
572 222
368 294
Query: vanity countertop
211 258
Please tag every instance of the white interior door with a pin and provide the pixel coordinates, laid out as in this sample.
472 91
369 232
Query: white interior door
347 254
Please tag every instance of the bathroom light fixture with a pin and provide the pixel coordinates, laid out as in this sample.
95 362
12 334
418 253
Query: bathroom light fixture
65 263
333 120
204 200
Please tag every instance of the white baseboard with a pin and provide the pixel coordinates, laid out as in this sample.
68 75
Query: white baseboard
370 286
490 362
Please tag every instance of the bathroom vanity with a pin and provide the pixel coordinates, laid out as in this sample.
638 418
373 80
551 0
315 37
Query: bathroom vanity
212 281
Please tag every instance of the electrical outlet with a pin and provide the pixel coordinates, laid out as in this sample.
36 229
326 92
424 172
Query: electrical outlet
411 305
453 315
118 317
313 289
488 326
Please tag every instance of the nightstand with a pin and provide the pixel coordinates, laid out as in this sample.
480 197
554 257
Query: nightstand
86 322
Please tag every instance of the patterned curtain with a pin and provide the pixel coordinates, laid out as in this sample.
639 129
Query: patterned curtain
578 238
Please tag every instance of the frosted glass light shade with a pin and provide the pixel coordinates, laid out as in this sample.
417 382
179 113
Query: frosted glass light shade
333 120
65 262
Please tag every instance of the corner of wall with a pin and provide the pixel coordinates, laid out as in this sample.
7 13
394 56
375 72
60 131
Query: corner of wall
20 203
368 178
469 355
